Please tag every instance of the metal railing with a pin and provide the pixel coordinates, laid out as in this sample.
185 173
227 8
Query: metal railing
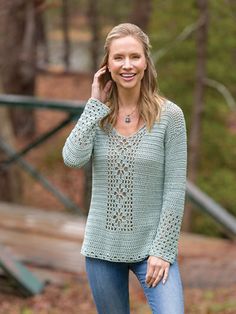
15 270
74 110
212 208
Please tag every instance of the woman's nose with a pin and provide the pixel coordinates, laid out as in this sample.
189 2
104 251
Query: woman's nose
127 64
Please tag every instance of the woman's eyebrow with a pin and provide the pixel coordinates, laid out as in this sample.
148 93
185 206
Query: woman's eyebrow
118 54
121 54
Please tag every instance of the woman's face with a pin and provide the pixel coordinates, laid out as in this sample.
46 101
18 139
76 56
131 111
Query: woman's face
127 62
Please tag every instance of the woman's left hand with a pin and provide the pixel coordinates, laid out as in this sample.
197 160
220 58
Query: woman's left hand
156 270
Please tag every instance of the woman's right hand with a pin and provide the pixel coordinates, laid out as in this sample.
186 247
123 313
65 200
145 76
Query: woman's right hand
97 91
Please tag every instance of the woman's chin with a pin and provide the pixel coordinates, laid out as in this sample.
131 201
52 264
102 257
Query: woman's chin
128 84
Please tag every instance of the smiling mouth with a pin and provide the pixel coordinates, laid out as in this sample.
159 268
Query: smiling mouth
128 75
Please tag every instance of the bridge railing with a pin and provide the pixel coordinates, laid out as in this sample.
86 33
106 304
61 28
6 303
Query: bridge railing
74 110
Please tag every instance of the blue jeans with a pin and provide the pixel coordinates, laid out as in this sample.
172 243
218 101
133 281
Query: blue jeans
109 282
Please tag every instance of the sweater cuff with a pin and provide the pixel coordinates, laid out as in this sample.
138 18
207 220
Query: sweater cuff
104 109
167 256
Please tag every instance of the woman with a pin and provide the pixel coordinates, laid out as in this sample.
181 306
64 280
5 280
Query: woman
137 141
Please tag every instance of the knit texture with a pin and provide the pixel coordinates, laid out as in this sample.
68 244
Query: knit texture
138 185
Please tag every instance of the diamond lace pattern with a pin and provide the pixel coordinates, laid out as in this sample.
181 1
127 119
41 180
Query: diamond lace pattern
121 158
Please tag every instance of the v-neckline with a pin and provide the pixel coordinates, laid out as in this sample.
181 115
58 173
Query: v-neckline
131 135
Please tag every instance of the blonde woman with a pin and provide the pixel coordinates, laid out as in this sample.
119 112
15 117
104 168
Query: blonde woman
137 142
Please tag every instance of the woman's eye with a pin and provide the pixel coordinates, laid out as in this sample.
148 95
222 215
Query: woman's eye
118 58
136 57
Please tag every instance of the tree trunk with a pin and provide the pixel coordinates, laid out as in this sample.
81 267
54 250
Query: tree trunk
93 18
10 179
18 58
65 27
141 13
42 39
198 108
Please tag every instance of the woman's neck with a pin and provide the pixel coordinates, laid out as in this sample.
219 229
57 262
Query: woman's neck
128 99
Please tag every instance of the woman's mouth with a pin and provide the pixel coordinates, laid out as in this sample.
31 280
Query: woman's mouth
127 76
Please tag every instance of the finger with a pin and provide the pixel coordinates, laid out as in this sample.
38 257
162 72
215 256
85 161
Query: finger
101 71
150 271
158 277
153 278
166 273
97 75
107 86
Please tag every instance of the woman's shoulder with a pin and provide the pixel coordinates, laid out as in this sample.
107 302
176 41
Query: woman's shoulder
171 109
172 116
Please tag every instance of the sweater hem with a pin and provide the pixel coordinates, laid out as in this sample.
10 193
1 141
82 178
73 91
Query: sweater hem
114 258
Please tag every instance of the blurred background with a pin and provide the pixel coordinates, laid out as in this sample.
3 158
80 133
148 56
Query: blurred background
49 51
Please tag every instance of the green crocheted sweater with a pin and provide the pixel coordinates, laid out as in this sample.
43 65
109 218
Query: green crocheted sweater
138 185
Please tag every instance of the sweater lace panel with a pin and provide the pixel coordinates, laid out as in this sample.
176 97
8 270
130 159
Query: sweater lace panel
121 158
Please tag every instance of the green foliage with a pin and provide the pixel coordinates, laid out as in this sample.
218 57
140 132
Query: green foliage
53 157
26 310
205 224
177 75
223 306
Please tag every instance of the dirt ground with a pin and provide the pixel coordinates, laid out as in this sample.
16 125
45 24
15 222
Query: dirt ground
73 296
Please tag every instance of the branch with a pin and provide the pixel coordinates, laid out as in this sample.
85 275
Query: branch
187 31
223 90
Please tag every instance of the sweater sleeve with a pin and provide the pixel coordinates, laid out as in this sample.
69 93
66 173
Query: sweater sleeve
79 144
165 244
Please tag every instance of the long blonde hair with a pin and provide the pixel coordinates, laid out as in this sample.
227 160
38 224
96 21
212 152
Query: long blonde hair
150 102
